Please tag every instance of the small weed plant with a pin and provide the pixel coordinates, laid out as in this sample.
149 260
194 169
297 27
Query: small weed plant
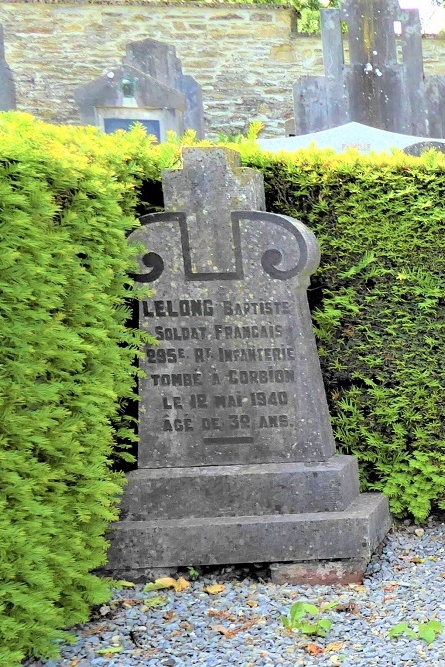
426 631
307 618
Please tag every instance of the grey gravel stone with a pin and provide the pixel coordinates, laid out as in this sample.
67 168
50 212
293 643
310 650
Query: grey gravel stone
188 630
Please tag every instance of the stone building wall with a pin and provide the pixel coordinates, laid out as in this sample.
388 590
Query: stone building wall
245 57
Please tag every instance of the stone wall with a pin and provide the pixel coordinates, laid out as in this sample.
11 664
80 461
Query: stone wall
245 57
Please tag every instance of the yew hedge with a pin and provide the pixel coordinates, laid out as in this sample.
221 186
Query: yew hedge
68 198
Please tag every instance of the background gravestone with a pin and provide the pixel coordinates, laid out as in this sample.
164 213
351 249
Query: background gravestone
236 456
150 88
362 138
7 88
380 87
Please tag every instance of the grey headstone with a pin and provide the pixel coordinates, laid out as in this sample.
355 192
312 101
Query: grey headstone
259 264
161 62
422 146
159 92
7 87
435 94
310 104
289 127
374 78
194 109
156 59
413 68
102 102
371 34
332 42
236 454
106 91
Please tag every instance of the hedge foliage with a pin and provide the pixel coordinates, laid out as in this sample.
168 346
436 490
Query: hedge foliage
68 197
378 308
66 202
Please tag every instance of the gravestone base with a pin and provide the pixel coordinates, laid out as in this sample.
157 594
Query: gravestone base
245 490
311 536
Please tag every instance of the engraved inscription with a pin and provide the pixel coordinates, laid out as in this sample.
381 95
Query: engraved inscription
206 390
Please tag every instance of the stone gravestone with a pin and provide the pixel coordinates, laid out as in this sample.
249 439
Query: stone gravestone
381 86
7 87
362 138
236 460
149 88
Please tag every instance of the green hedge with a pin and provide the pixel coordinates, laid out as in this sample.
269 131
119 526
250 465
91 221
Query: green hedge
66 202
378 308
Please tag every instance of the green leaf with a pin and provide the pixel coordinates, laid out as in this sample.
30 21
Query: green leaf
329 605
311 608
124 584
435 625
286 622
296 612
325 623
153 586
427 634
155 601
398 629
308 628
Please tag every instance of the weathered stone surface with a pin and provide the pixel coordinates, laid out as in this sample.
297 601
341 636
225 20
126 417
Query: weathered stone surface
236 455
374 89
243 383
155 59
320 573
289 127
160 61
283 488
422 146
104 98
194 109
354 533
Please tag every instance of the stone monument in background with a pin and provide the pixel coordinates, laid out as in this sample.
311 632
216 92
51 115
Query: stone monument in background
149 88
7 87
380 86
360 137
236 460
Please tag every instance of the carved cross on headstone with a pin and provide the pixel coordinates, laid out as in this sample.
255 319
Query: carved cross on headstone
209 187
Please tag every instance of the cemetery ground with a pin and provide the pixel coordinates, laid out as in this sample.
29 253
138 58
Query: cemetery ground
234 616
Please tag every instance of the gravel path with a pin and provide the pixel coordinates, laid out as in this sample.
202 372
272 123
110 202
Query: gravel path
240 625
